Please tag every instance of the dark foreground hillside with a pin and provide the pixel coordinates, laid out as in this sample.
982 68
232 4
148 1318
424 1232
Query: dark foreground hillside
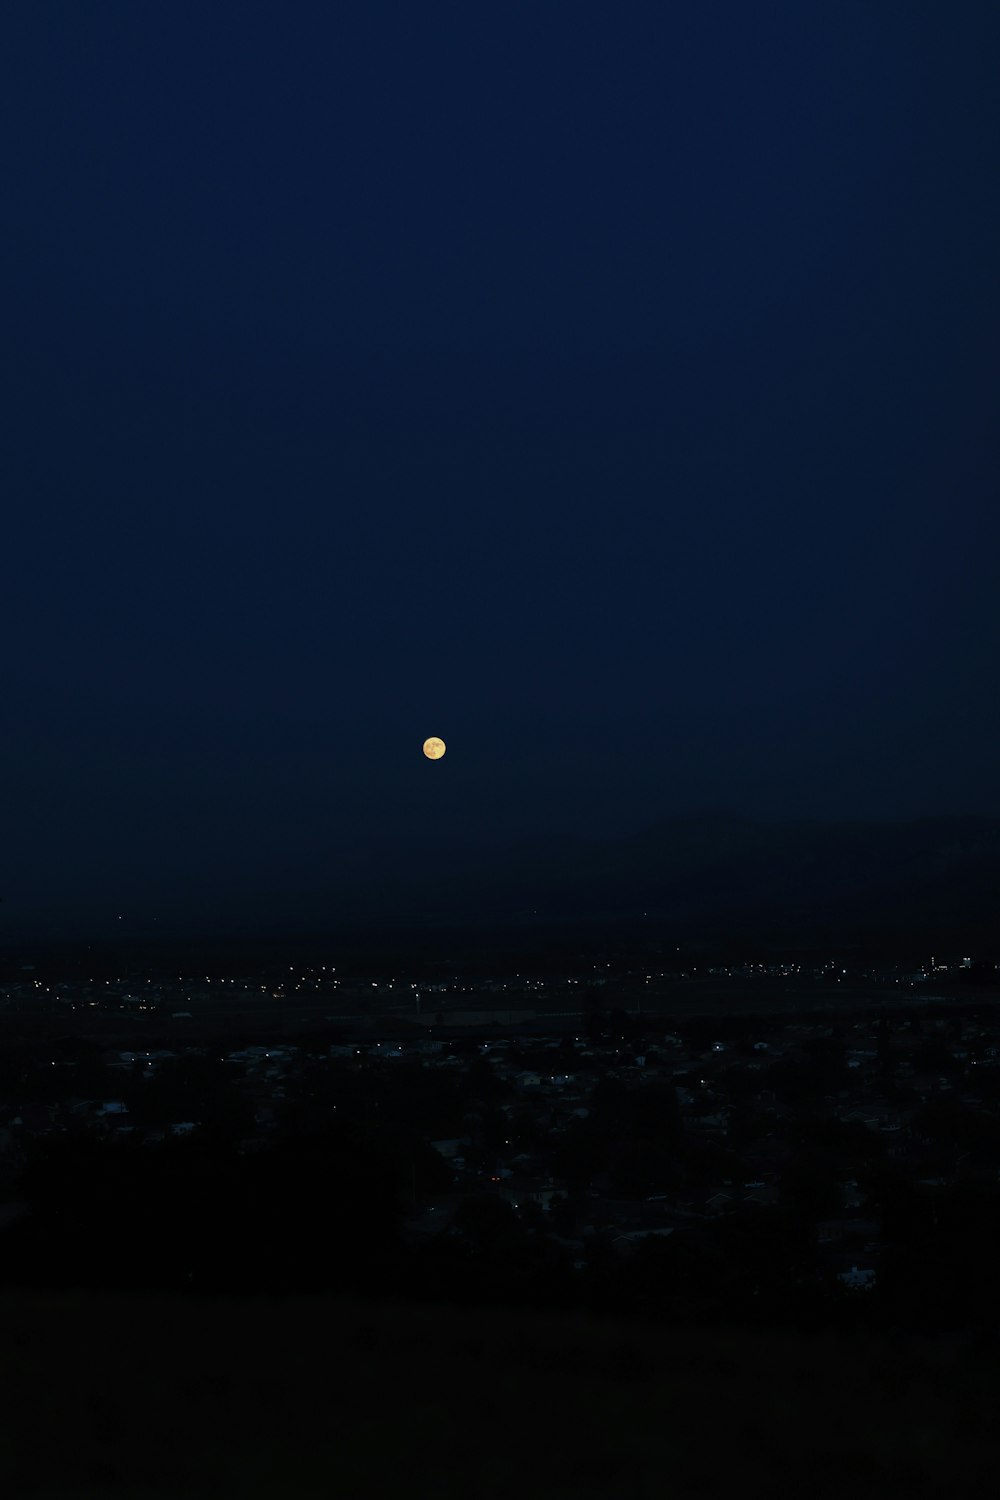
115 1396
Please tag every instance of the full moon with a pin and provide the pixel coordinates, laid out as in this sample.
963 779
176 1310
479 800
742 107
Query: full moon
434 748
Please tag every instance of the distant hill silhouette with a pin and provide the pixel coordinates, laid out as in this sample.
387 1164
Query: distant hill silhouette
805 882
927 886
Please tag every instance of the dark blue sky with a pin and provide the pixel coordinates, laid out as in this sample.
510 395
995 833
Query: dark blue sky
611 390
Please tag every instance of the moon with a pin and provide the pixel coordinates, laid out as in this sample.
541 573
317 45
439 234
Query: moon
434 748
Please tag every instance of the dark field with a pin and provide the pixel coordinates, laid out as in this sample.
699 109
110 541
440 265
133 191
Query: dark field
108 1396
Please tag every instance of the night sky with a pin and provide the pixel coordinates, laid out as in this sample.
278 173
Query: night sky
608 389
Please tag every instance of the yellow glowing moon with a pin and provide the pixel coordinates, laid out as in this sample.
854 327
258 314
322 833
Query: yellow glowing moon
434 748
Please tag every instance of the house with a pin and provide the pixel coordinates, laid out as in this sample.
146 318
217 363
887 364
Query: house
761 1194
630 1240
851 1194
868 1115
858 1278
834 1231
547 1194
